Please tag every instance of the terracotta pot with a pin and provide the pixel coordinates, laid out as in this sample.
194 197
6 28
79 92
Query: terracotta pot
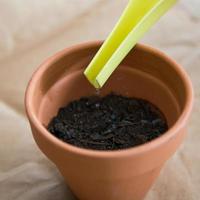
110 175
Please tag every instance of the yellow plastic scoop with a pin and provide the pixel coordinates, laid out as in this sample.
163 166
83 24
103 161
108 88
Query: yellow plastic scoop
136 20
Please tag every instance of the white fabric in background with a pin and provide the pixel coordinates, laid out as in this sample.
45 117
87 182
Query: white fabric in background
26 23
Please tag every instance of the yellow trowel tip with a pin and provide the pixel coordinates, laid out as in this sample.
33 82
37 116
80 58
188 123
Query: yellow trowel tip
138 17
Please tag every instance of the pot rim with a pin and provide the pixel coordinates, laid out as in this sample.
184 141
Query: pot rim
112 153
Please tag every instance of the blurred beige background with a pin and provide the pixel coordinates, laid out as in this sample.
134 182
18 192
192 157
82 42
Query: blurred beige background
30 31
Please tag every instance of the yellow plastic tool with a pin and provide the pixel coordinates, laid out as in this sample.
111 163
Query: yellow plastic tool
136 20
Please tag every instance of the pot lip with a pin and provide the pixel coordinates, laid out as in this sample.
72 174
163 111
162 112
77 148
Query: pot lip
140 149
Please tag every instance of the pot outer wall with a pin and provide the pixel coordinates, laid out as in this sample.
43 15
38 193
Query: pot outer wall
114 175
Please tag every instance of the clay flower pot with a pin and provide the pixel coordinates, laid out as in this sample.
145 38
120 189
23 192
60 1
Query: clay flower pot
110 175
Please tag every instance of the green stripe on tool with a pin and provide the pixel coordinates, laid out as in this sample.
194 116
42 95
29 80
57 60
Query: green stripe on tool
136 20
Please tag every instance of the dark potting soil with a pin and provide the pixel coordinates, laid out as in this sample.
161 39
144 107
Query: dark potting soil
108 123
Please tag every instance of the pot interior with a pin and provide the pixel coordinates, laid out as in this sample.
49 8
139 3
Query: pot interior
142 74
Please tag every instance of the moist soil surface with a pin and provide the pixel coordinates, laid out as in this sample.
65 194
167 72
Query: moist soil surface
112 122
